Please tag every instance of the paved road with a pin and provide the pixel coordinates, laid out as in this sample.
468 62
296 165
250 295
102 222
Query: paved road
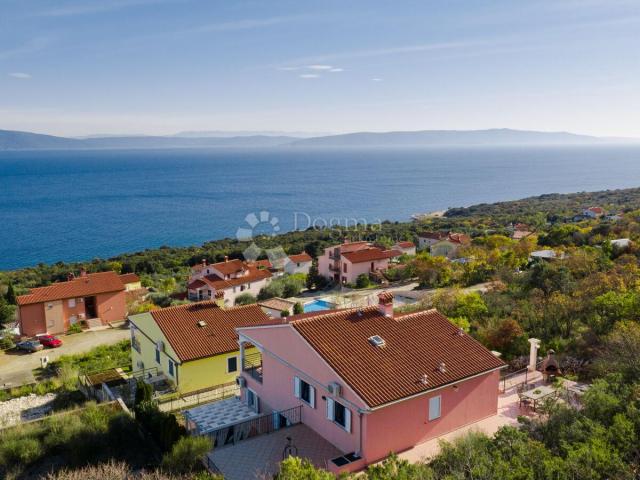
16 368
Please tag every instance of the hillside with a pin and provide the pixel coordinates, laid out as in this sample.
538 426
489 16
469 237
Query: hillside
448 137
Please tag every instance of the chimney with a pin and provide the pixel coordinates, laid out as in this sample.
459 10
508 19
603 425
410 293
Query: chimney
533 354
385 303
226 258
204 262
70 276
83 273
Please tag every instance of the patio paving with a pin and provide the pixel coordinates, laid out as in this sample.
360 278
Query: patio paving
219 414
259 457
508 412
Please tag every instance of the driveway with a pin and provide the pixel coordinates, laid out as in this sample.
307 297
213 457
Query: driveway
16 368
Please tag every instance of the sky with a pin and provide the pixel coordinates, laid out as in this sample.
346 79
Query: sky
82 67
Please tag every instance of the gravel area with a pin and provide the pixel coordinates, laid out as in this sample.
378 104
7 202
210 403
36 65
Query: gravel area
23 409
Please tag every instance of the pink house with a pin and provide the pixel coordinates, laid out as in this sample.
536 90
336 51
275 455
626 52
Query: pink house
368 381
344 263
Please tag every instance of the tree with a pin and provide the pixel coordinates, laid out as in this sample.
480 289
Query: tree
7 312
296 468
298 308
621 351
433 271
10 296
186 454
363 281
246 299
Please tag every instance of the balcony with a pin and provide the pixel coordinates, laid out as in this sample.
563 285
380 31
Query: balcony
334 268
335 255
252 365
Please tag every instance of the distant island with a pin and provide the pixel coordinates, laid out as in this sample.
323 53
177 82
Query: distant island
16 140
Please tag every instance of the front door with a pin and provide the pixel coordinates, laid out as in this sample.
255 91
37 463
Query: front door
90 309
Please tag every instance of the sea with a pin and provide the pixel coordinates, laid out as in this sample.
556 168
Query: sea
78 205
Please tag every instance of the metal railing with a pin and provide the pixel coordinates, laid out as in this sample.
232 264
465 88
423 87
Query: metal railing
260 425
177 401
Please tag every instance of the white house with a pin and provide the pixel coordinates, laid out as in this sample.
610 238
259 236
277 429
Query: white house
229 278
593 212
275 306
300 263
407 248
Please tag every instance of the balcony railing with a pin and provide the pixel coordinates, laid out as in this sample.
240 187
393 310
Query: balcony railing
252 365
334 255
260 425
334 268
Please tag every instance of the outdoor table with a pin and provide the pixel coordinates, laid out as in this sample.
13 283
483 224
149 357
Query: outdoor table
538 393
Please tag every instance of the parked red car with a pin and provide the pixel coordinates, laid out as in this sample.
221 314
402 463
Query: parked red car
50 341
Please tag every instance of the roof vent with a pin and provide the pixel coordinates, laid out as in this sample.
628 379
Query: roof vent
377 341
424 379
442 368
461 332
202 323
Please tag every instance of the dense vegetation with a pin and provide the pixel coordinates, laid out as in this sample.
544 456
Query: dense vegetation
585 304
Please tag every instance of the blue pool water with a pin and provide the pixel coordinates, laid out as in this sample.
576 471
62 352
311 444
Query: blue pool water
317 306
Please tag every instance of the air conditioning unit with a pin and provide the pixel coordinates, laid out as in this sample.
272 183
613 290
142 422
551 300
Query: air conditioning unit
335 389
241 381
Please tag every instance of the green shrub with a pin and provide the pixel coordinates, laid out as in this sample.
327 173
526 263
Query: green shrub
163 427
186 455
245 299
75 328
298 308
6 343
363 281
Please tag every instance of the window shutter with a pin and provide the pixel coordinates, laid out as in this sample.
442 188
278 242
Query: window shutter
257 404
296 387
347 420
312 396
330 409
276 420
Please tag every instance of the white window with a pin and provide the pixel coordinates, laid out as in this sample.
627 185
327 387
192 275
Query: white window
232 364
339 414
434 407
304 392
72 303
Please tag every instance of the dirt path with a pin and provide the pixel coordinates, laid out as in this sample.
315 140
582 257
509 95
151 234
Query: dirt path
16 367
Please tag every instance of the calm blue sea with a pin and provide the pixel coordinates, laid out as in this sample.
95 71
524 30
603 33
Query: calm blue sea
78 205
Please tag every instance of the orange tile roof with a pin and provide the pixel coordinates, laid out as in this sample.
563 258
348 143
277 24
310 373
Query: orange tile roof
129 278
300 258
278 303
353 246
406 244
191 341
415 345
370 254
254 275
91 284
229 267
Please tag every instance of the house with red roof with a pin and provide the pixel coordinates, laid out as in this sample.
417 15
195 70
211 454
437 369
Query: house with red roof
593 212
368 381
344 263
406 247
92 298
443 244
227 280
298 263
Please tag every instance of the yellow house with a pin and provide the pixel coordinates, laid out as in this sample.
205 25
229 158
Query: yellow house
194 345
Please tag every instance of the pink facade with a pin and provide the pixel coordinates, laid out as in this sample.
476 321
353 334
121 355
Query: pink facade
344 263
374 433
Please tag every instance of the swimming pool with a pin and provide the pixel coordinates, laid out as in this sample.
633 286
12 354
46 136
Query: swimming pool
318 305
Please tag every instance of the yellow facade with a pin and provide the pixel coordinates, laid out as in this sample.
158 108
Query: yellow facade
188 376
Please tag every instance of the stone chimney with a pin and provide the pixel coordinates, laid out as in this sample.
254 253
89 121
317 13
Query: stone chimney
533 354
83 273
226 258
385 304
204 262
70 276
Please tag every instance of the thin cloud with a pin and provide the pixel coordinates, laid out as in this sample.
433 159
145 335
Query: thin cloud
376 79
309 75
385 51
319 67
102 6
337 70
20 75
